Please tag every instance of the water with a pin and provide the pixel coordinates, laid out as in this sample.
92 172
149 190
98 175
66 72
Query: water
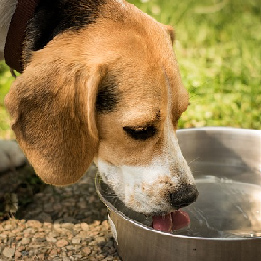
225 208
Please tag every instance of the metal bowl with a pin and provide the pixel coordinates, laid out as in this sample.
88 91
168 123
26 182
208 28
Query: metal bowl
225 220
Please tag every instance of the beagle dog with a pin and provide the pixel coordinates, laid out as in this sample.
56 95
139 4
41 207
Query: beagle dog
100 82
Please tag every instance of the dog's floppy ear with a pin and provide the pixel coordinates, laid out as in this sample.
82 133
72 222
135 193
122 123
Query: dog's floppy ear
52 107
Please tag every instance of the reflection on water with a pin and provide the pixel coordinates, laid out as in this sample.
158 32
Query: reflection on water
224 209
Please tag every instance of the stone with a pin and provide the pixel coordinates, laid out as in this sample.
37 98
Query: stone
69 247
35 245
86 251
39 235
53 252
3 236
85 227
76 240
56 225
51 239
8 227
25 253
39 239
18 238
20 248
40 257
47 225
68 226
28 231
25 241
53 234
18 254
9 252
82 234
61 243
34 224
70 253
99 239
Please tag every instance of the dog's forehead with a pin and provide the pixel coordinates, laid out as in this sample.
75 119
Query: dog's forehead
142 92
125 26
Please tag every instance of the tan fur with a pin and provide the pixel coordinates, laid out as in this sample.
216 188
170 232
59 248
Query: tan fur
52 109
52 104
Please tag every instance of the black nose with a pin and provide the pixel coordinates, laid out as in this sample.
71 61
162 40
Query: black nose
184 196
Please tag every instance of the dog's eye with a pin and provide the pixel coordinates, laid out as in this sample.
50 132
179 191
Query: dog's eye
140 133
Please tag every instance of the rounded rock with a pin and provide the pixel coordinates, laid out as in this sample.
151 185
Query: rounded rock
9 252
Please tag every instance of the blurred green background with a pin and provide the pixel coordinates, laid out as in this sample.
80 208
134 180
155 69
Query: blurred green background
218 47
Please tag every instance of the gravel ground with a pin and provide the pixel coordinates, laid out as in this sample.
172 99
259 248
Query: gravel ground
60 223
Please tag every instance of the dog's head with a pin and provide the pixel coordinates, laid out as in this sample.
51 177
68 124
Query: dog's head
112 93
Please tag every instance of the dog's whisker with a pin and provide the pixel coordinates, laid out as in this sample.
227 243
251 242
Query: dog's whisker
193 160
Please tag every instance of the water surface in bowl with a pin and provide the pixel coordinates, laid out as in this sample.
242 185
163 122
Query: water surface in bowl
225 208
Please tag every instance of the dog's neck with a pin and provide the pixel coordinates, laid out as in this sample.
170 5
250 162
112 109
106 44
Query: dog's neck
16 34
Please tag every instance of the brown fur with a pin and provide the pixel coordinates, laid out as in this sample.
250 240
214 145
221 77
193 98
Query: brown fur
52 104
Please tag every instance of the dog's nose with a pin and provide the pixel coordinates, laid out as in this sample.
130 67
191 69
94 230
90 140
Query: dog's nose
184 196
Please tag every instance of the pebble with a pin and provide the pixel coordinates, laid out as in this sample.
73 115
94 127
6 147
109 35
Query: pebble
85 227
25 241
25 253
83 234
86 251
18 254
39 239
76 240
53 234
61 243
70 247
8 227
53 252
9 252
51 239
63 224
68 226
20 248
33 224
99 239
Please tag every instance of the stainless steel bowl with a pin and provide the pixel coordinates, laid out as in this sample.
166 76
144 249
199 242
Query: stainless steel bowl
225 220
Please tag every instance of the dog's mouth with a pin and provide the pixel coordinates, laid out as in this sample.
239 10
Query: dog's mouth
162 221
171 222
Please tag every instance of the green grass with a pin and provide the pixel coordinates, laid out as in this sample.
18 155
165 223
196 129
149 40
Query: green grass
218 48
5 82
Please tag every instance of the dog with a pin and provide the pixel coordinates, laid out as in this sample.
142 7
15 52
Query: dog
100 82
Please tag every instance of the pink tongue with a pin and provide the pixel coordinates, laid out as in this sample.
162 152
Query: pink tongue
173 221
162 223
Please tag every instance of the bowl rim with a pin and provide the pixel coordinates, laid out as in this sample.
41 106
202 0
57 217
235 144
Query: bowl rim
142 226
219 128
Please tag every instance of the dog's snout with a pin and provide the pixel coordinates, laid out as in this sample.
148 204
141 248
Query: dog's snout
184 196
